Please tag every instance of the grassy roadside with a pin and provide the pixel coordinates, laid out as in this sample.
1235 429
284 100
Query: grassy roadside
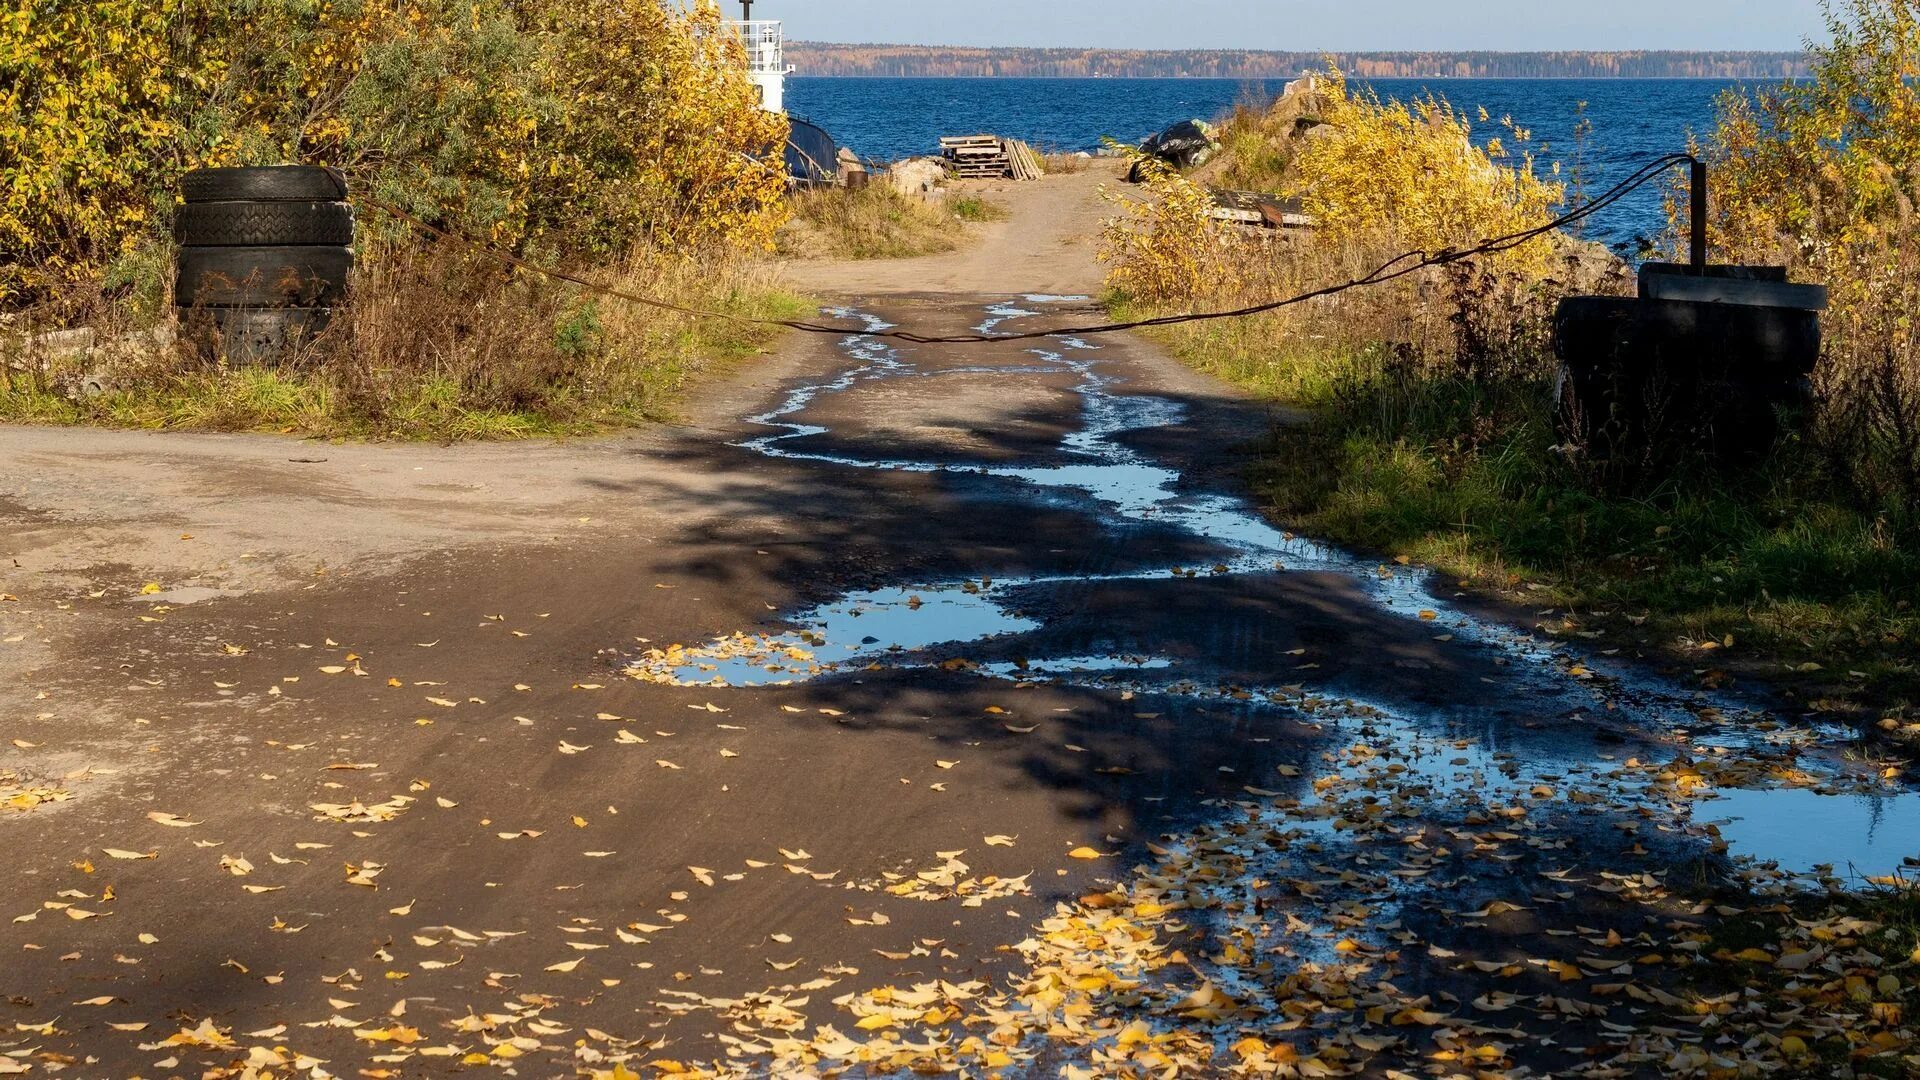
1763 573
624 140
877 222
1428 430
544 363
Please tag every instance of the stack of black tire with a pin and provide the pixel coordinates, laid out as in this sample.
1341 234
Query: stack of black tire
264 258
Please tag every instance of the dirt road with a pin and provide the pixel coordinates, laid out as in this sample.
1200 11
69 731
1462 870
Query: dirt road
905 707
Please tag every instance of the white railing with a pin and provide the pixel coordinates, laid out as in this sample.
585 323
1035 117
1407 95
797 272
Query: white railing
766 46
766 61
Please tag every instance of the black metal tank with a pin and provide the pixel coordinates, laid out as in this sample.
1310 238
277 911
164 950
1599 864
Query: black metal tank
1691 366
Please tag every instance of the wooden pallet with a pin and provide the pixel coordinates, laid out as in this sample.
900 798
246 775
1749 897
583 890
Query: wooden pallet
1259 208
975 157
989 157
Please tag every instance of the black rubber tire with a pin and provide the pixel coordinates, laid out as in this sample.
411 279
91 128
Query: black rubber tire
264 224
262 277
269 183
253 335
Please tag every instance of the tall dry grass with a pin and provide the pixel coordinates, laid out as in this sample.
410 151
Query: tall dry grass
874 222
436 342
1869 381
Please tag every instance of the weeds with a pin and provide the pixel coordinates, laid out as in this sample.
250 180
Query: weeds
975 209
438 344
877 222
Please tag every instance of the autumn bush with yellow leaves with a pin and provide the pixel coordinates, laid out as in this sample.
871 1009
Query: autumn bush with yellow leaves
588 126
1823 176
1379 178
90 119
1410 176
622 136
1167 248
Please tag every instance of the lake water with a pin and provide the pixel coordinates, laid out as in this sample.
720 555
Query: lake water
1633 120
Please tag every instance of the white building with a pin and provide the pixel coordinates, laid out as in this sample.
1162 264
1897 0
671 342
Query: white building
766 57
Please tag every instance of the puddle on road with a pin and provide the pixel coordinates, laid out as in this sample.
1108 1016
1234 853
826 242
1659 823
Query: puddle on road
1868 834
849 632
1786 794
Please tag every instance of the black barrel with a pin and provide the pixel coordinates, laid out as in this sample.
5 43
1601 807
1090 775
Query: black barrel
1642 381
265 255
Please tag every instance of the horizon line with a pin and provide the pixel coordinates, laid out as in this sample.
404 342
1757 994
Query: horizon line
1780 53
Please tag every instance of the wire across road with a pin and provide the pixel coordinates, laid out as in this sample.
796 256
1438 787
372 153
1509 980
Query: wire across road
1403 265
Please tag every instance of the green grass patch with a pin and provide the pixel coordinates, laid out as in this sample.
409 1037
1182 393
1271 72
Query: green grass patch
977 210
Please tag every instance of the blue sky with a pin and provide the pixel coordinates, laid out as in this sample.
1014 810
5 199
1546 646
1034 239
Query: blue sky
1347 25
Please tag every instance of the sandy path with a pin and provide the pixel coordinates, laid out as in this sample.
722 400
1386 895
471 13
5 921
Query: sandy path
1047 245
491 595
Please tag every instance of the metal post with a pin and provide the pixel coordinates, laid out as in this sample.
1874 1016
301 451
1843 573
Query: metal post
746 10
1699 208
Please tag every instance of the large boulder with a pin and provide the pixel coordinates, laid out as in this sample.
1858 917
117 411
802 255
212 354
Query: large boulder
917 176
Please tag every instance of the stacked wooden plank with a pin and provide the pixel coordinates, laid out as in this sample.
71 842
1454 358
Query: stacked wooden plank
989 157
1025 163
975 157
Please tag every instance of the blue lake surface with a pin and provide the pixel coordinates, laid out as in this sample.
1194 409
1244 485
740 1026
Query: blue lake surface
1633 120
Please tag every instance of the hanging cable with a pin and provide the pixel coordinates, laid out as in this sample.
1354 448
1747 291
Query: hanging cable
1400 266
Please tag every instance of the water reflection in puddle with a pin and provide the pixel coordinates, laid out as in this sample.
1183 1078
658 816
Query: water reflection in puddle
1448 757
1075 666
1865 835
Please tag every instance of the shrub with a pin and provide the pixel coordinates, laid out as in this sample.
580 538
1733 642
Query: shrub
579 128
1167 248
90 119
1410 174
620 137
1380 179
1823 176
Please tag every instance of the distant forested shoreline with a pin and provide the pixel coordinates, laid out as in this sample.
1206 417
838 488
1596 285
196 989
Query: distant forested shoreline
826 59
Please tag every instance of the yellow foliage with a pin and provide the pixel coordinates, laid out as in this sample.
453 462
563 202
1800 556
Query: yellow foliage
1802 170
672 87
88 119
581 127
1823 176
1380 178
1410 176
1167 247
